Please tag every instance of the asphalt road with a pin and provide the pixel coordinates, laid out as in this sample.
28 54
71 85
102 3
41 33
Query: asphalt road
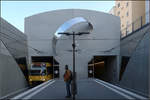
87 90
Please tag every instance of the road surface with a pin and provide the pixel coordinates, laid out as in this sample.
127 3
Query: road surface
88 89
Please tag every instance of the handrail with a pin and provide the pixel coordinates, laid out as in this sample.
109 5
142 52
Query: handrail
135 25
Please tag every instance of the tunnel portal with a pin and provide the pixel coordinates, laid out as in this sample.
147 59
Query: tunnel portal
102 67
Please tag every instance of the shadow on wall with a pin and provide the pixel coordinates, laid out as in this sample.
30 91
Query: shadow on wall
134 73
103 67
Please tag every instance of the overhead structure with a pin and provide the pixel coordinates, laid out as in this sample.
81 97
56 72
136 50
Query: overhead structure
64 27
42 31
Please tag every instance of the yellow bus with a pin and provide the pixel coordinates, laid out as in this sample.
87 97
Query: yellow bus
40 72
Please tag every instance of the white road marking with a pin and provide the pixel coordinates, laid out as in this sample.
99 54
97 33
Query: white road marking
122 94
31 90
123 90
37 91
12 93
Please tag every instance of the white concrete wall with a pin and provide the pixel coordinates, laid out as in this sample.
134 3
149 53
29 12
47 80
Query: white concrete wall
40 29
11 76
15 40
136 74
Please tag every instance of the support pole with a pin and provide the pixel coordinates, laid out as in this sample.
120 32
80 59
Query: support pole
73 45
74 86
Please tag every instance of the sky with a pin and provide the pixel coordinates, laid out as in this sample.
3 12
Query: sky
15 11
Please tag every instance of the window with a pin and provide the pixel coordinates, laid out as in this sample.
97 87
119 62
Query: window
127 27
122 25
127 4
127 24
118 5
122 16
127 14
118 13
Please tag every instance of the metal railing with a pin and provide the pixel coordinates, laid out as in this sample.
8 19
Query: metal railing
136 24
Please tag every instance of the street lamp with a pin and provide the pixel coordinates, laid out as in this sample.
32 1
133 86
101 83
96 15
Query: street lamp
73 46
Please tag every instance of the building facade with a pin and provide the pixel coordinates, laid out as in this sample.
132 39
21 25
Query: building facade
132 14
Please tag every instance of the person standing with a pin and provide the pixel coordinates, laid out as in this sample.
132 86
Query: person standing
68 79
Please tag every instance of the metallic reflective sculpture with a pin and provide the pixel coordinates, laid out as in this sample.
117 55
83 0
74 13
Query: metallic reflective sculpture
68 24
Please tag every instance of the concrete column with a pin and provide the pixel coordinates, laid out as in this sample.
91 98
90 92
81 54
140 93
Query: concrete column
118 67
0 46
149 67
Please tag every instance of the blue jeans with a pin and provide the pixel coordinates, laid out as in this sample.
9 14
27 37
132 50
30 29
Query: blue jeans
68 87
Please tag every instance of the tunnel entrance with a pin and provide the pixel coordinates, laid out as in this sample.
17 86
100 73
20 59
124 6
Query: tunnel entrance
97 67
43 68
102 67
22 62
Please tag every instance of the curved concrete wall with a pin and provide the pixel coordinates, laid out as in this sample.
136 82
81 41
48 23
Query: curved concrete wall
136 74
40 29
12 78
14 39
